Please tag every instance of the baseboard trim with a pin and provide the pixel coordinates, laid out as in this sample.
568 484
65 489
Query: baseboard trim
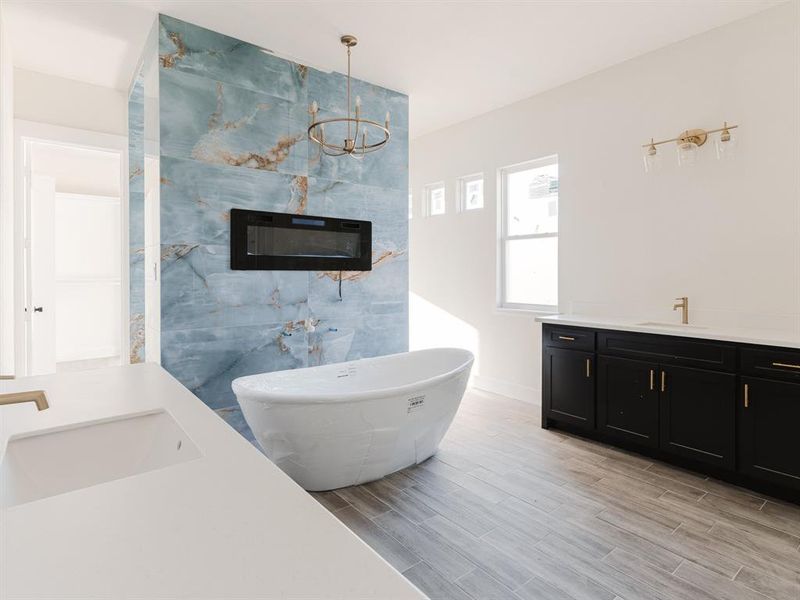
523 393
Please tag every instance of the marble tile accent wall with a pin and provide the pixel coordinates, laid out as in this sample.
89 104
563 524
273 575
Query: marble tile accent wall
136 218
233 121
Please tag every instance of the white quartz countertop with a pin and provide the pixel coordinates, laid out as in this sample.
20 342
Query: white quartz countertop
227 525
728 334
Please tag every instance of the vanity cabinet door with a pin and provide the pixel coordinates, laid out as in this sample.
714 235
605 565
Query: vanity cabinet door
627 399
568 386
698 414
769 444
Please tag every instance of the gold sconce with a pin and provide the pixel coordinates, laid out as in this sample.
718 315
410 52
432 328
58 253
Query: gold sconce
688 143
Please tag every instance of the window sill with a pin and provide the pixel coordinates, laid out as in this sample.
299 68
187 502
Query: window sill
526 311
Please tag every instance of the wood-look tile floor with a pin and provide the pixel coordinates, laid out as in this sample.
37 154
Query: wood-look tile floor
507 510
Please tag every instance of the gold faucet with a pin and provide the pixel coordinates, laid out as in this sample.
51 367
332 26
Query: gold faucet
36 396
684 306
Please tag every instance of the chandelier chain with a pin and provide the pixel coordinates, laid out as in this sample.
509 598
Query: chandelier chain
348 92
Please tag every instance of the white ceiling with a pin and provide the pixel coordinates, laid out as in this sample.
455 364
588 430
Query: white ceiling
456 60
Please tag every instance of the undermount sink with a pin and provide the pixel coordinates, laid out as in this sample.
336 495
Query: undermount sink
44 464
669 325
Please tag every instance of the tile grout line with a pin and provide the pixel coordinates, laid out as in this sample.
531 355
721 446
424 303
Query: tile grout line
455 583
403 572
489 575
675 570
336 510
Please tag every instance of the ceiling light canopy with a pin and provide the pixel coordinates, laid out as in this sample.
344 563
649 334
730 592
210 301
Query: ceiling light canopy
347 135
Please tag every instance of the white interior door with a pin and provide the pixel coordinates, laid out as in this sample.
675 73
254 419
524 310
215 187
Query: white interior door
41 312
87 277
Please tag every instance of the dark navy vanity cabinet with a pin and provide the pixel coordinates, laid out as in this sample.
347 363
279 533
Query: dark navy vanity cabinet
726 409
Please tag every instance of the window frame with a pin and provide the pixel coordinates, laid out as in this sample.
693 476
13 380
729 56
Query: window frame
503 237
461 190
427 195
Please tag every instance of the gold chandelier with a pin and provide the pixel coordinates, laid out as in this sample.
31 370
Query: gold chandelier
352 130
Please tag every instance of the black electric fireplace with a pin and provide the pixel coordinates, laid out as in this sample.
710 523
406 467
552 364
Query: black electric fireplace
284 242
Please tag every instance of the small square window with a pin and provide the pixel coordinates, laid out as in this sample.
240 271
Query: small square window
470 192
435 199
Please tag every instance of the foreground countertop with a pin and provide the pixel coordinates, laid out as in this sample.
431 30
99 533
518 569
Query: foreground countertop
227 525
727 334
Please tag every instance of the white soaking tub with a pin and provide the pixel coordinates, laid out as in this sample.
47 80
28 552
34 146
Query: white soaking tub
349 423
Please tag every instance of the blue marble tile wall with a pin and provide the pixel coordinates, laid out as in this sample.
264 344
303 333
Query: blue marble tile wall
233 134
136 218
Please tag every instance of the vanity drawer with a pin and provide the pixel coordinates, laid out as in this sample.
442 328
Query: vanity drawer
576 338
702 354
771 363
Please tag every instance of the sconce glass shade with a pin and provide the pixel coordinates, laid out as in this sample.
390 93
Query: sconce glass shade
652 159
726 145
687 154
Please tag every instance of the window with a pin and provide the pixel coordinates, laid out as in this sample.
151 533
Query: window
470 192
434 199
529 235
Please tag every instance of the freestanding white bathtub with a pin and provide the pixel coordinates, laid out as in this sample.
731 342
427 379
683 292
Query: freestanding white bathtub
349 423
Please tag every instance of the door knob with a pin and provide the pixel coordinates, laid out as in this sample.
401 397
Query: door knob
38 309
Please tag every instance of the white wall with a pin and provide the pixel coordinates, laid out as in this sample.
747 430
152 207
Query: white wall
6 204
726 234
48 99
79 170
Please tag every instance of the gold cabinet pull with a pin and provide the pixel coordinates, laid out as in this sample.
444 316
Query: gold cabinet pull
746 395
588 367
652 379
566 337
663 381
785 365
